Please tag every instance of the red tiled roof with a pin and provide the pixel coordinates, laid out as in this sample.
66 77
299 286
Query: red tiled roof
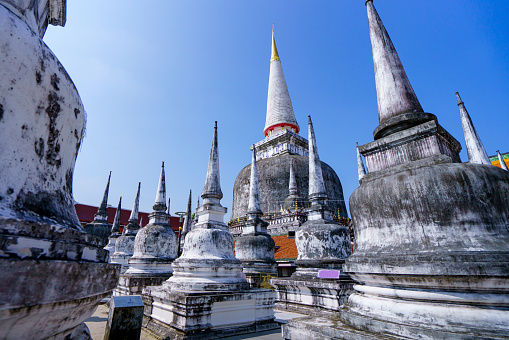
86 215
287 248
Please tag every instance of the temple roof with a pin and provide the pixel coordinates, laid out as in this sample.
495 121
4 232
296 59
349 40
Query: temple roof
279 105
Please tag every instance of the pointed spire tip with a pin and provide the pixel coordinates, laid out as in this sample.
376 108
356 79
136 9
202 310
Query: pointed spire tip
459 98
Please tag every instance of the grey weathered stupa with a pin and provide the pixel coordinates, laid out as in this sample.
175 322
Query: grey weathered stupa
155 248
124 246
115 229
321 242
207 297
281 147
255 248
208 250
323 245
100 226
432 255
48 262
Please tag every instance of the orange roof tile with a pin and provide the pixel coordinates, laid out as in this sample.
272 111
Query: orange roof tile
287 248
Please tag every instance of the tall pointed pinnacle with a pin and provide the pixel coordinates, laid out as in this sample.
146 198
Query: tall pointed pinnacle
395 95
360 164
160 203
187 219
168 211
279 105
212 188
292 186
136 206
102 212
502 162
475 149
115 229
316 184
254 207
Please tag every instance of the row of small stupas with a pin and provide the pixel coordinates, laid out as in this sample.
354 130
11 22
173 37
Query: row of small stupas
202 292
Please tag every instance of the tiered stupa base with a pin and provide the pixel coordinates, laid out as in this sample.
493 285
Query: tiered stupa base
143 272
207 314
50 277
311 296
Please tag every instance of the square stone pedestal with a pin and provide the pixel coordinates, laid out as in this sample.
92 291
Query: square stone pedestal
309 296
207 315
134 285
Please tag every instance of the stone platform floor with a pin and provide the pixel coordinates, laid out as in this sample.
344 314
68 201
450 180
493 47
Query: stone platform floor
97 324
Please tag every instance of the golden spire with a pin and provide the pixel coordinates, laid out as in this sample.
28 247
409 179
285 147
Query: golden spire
274 55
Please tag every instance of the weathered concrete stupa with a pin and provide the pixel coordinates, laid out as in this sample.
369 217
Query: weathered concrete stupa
207 297
124 246
281 147
100 226
155 248
432 233
47 261
322 244
255 248
115 229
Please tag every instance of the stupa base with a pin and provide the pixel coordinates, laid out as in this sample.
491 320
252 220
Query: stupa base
207 314
134 285
311 296
385 313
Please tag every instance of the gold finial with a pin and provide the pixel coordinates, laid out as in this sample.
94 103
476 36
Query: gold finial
274 55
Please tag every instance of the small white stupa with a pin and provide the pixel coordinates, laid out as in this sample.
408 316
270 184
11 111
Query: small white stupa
124 247
115 229
155 248
255 248
208 297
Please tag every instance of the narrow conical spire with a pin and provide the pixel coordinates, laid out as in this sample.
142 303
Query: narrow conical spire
316 183
292 186
197 206
187 219
254 207
134 213
501 160
168 212
279 105
360 164
115 229
160 203
475 149
395 95
212 188
102 212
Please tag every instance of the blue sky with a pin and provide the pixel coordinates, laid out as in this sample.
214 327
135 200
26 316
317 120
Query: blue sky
155 75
